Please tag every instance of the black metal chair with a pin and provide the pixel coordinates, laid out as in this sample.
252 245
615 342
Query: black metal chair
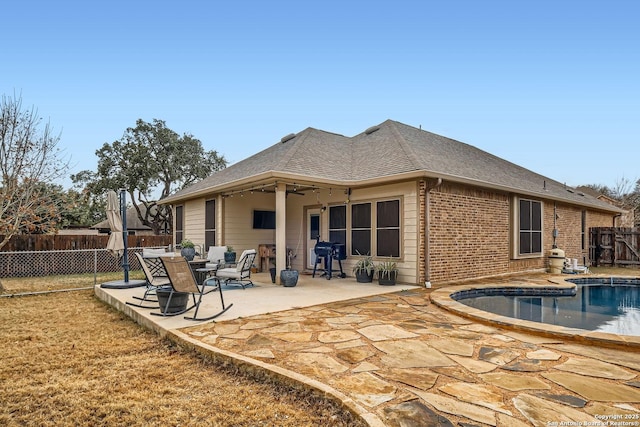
156 277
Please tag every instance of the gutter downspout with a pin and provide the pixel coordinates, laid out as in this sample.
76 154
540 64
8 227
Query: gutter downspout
616 217
427 238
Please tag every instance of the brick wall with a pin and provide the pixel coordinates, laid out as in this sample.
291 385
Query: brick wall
569 225
469 233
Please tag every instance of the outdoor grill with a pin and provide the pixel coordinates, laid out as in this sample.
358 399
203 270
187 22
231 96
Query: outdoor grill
326 252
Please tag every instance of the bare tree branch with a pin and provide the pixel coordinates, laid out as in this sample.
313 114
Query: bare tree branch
29 159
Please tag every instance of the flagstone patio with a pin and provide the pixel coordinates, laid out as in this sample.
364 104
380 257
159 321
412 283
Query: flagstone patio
398 359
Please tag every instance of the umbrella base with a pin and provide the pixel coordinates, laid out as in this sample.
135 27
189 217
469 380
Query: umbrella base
121 284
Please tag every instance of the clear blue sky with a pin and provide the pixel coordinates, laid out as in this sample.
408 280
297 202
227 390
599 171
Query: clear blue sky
553 86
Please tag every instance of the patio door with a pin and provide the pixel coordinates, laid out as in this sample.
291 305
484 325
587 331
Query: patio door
313 232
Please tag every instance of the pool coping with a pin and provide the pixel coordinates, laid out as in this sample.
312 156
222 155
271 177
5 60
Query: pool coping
443 298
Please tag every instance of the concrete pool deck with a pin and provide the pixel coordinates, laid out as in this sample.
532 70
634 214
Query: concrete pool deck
396 358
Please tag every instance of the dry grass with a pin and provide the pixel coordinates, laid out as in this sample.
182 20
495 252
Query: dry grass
14 285
69 360
615 271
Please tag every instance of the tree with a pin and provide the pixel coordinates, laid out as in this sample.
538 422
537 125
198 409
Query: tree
626 192
29 160
150 160
78 208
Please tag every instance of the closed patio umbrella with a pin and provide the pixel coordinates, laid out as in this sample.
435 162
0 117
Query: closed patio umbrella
117 245
116 242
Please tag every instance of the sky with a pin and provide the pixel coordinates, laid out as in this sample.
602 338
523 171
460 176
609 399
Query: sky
553 86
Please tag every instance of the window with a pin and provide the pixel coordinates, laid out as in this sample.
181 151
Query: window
372 227
361 229
583 230
179 224
530 227
338 224
388 228
209 224
314 226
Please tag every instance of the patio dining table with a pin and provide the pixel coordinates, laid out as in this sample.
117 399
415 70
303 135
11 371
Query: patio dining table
201 271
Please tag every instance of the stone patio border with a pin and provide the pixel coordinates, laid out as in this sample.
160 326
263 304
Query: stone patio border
258 369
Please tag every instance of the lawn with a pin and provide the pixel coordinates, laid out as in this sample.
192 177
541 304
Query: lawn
69 360
15 285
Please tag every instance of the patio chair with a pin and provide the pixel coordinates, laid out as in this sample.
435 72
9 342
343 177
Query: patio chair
215 256
156 277
241 273
182 280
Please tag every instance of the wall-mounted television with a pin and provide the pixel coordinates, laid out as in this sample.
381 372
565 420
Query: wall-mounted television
265 220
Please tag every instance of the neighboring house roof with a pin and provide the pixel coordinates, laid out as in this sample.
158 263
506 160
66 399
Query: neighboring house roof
133 222
383 153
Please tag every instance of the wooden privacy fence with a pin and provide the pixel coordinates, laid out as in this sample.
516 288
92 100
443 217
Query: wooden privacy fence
44 242
614 246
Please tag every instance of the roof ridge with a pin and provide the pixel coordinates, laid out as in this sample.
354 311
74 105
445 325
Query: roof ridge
297 142
411 154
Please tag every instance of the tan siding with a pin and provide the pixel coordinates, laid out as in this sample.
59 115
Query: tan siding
407 192
194 221
238 220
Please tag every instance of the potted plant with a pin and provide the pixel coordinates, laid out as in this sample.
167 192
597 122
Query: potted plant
289 277
230 255
364 269
188 249
387 273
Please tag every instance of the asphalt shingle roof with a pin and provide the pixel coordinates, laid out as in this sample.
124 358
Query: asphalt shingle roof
391 149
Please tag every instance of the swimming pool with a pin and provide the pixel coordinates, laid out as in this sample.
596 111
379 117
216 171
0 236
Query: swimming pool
610 305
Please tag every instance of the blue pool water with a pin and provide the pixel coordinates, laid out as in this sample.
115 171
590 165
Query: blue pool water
606 305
